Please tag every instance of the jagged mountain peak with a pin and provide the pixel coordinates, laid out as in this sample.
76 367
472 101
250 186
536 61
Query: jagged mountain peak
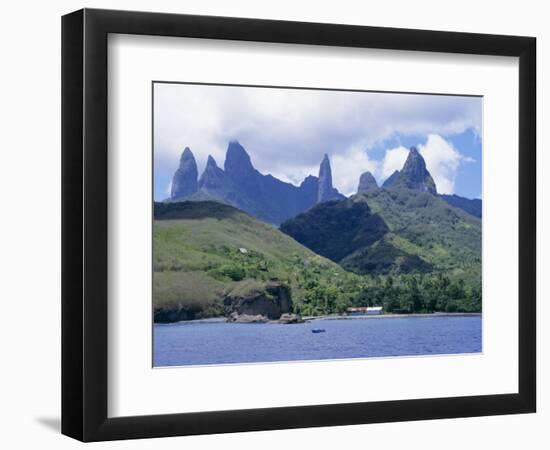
413 175
241 185
186 155
211 162
213 177
367 182
414 166
237 160
184 182
391 179
326 191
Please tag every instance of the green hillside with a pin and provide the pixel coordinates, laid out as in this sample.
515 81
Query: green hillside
393 231
336 229
209 257
207 252
424 225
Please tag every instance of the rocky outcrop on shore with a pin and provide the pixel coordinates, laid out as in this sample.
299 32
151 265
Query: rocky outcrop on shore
270 300
247 318
290 318
287 318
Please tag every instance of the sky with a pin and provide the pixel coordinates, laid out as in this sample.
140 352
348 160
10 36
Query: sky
286 132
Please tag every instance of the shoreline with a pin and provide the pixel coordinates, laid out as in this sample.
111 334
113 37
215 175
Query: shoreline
388 316
307 319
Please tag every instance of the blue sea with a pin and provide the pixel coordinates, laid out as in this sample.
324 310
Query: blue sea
200 343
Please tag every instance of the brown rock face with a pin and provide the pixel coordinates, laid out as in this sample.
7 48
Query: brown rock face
288 318
245 318
271 302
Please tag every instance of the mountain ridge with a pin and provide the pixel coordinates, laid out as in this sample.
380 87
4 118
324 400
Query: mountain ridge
241 185
274 201
414 232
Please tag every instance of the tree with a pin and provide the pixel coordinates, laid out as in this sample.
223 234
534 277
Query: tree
413 298
430 295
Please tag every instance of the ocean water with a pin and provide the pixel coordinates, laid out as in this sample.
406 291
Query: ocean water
200 343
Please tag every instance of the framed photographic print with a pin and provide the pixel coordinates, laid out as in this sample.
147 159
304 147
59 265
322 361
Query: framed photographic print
273 224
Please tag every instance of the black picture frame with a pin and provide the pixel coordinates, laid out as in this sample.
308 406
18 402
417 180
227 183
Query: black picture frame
84 224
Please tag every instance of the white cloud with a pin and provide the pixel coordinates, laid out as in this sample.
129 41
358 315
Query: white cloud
287 131
348 166
442 161
393 160
295 175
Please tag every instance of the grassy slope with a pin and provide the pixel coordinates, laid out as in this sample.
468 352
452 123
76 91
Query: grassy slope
425 225
198 264
196 253
420 233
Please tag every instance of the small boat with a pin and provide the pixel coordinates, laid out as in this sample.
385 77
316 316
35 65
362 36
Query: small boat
318 330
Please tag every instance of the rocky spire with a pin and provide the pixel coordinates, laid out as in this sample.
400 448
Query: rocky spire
326 191
213 177
367 183
237 161
414 174
184 182
390 181
211 163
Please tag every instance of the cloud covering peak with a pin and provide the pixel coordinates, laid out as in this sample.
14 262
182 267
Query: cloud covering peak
286 132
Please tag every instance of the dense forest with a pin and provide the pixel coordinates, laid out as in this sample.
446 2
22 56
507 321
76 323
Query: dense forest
318 290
